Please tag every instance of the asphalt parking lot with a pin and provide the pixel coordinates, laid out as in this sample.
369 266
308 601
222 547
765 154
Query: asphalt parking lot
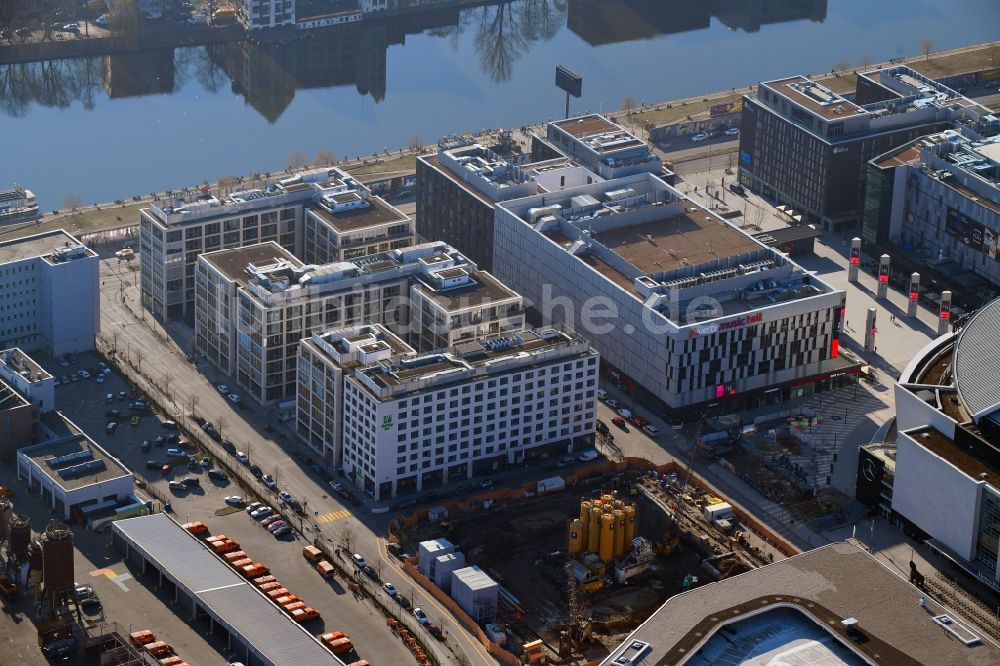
340 610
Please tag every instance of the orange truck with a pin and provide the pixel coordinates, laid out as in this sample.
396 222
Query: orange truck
241 562
312 553
253 570
304 614
158 648
267 587
277 593
325 569
142 637
196 527
264 579
171 661
292 606
235 555
286 599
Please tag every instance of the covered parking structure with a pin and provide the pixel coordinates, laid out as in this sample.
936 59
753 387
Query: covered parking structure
204 587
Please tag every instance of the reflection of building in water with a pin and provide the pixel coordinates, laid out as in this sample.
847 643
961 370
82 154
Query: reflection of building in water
267 75
138 73
609 21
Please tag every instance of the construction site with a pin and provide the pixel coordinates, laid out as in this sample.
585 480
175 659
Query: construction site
579 567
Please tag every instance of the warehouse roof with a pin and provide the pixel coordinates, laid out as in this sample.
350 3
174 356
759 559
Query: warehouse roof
227 596
822 588
89 464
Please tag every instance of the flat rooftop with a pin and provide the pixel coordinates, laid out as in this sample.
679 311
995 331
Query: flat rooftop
37 246
74 443
375 214
941 445
9 398
688 239
483 289
823 586
816 97
909 154
435 163
587 125
233 263
19 362
226 595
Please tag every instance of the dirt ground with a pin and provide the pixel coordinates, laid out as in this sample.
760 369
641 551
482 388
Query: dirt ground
522 545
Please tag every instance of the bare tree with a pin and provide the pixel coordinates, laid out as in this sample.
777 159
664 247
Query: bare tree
193 401
72 201
226 183
223 424
842 66
925 47
628 104
415 143
167 380
324 158
297 161
347 538
137 358
865 62
114 341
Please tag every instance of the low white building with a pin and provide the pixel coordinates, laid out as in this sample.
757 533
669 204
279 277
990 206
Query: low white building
259 14
475 593
73 473
28 378
51 291
476 408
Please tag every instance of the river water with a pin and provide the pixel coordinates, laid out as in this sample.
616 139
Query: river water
105 128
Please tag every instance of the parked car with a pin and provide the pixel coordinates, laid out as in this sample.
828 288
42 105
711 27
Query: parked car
602 394
359 561
612 403
234 398
123 395
109 397
601 426
112 414
83 374
262 512
733 131
83 591
624 413
176 485
223 389
169 425
285 496
146 445
100 379
700 136
207 463
160 440
421 616
651 430
281 531
256 471
190 481
234 500
565 462
639 421
270 519
243 458
620 422
390 589
269 481
229 447
337 486
253 506
176 453
276 525
153 464
402 601
297 507
217 475
138 406
111 427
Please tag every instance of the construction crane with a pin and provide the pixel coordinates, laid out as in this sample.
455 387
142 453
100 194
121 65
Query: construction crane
695 449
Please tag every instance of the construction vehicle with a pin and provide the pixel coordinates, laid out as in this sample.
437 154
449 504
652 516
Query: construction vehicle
669 543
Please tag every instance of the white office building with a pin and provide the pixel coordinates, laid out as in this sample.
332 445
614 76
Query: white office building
261 303
687 310
172 236
481 406
51 292
324 358
353 224
946 476
259 14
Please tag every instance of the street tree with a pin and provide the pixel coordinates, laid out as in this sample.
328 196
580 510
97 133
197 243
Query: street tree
926 45
72 201
324 158
415 143
347 538
297 161
628 104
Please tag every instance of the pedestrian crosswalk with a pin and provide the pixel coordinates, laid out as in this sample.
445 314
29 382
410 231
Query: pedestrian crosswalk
332 516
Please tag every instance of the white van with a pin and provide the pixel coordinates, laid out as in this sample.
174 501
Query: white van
587 456
602 394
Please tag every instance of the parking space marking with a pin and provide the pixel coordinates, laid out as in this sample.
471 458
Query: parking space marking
333 515
117 579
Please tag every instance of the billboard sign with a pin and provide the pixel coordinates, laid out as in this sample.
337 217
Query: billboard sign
568 81
972 234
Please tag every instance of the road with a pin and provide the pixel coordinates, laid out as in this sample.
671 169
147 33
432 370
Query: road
144 341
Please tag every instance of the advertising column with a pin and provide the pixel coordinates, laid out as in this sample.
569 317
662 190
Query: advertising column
911 306
944 313
883 276
852 270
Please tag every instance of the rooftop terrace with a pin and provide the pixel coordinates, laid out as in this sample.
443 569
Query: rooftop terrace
371 213
233 263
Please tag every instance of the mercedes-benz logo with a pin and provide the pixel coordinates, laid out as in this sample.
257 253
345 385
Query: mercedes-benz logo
869 470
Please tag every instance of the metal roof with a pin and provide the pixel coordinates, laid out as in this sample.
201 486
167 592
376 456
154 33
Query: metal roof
224 594
976 363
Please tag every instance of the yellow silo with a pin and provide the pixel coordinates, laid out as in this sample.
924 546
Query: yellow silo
607 550
576 539
607 498
619 542
630 518
594 530
619 504
585 507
